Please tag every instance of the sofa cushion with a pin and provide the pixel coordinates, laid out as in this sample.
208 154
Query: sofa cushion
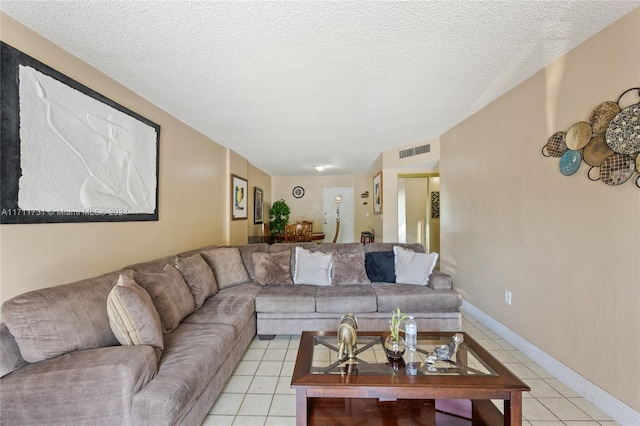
342 248
56 320
246 290
246 253
312 268
191 252
413 298
198 276
440 281
380 266
373 247
348 268
10 358
132 316
412 267
345 299
89 387
192 355
155 265
234 311
291 249
272 268
299 298
227 266
170 294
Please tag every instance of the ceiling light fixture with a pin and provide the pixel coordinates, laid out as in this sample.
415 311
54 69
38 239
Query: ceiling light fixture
319 168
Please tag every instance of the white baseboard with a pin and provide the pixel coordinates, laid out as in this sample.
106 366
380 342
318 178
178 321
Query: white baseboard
615 408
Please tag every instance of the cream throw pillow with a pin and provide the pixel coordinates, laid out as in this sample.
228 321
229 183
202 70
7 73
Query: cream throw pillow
133 318
312 268
412 267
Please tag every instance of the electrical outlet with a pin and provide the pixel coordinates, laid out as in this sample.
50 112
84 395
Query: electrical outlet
507 297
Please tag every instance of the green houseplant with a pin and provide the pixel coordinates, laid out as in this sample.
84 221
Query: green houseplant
279 216
394 344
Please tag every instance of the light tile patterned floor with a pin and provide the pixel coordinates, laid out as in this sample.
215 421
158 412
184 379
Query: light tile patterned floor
259 391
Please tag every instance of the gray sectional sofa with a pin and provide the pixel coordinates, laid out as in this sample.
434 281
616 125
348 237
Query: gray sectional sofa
154 343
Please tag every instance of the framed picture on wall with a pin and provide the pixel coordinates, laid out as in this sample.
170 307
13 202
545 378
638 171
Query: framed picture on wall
70 154
377 193
238 198
257 205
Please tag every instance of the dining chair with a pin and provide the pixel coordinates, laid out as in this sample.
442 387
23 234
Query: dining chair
291 233
266 232
308 225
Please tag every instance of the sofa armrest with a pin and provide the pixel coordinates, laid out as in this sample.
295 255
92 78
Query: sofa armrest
440 281
94 386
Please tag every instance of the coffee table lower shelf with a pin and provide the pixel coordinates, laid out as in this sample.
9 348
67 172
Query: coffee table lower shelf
369 411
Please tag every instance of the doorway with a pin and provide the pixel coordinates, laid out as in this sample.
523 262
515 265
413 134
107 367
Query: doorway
419 211
337 202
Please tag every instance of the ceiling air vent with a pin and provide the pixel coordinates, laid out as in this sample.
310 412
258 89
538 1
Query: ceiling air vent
422 149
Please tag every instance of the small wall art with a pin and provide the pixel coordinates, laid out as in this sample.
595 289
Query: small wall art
608 142
435 204
68 153
238 198
377 193
257 205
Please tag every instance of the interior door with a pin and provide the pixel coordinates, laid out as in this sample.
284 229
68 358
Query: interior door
338 202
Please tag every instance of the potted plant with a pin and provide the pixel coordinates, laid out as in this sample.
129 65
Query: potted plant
279 216
394 344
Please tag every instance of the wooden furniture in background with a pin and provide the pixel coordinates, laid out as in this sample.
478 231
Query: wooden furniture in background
296 233
367 237
290 233
266 232
335 237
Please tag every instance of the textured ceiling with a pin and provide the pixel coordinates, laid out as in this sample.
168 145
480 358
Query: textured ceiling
289 85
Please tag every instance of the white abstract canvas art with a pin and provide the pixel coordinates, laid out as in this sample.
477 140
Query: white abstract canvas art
78 154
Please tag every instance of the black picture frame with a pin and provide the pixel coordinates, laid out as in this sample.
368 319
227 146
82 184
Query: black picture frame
258 205
12 169
238 198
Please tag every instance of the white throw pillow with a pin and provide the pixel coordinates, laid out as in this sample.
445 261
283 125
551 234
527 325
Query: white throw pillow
412 267
312 268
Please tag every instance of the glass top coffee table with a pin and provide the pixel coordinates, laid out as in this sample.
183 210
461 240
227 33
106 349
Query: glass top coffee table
461 385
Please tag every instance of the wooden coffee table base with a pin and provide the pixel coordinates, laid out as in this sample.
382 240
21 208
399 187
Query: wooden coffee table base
368 411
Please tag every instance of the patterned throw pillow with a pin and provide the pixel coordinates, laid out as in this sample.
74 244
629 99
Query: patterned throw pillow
170 294
412 267
272 268
348 269
380 266
227 266
199 277
133 318
312 268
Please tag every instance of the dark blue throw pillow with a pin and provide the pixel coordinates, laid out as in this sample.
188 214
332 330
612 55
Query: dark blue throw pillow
380 266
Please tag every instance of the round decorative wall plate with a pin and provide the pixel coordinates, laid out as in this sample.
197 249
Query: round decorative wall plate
298 192
570 162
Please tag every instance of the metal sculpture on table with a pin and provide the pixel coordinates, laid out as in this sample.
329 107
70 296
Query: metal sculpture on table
347 337
446 352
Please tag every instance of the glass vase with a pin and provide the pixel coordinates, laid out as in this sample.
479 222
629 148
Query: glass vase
395 348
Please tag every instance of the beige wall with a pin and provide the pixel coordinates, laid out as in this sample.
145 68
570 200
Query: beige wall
392 167
567 248
416 192
193 186
309 207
